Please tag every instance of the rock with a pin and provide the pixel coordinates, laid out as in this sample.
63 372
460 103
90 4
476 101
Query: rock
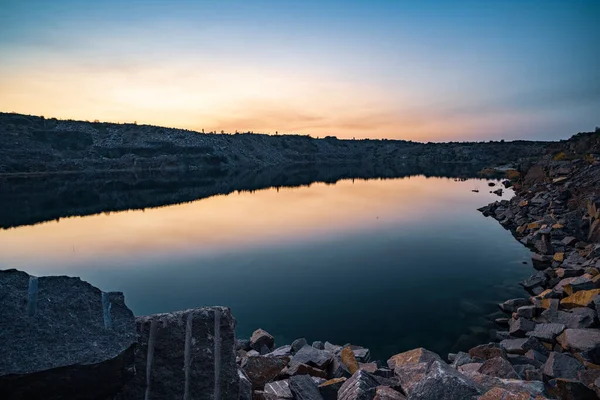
568 273
337 369
414 356
260 338
262 369
498 367
387 393
569 241
384 372
368 367
536 356
526 312
349 360
439 382
522 345
576 319
314 357
502 321
361 386
298 344
318 345
461 359
304 388
559 257
48 329
487 351
510 306
361 354
243 344
470 367
583 298
329 389
578 284
497 393
543 245
519 327
560 365
540 261
332 347
191 351
252 353
278 390
499 336
258 395
534 281
296 368
245 386
588 377
283 351
583 341
570 389
547 332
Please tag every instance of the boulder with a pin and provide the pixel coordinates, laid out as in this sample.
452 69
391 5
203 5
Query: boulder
526 312
584 298
384 372
245 386
387 393
185 353
298 344
583 341
576 319
283 351
349 360
262 369
519 327
569 241
537 357
584 282
329 389
296 368
261 337
497 393
510 306
414 356
278 390
498 367
523 345
361 354
337 369
487 351
369 367
318 345
461 359
304 388
547 332
543 245
314 357
360 386
333 348
570 389
564 273
560 365
62 338
439 381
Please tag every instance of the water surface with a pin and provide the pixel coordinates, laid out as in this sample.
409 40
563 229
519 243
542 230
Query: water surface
389 264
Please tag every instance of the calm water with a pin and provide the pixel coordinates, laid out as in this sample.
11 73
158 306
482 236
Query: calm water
387 264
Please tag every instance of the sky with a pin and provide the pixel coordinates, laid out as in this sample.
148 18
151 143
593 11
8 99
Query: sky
418 70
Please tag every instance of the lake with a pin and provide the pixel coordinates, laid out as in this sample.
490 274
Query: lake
389 264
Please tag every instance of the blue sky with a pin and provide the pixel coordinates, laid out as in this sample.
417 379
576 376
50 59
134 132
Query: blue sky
426 70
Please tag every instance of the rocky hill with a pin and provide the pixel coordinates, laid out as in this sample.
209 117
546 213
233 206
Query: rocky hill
30 144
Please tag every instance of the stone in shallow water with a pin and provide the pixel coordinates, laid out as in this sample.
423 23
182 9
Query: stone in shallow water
185 353
511 305
62 338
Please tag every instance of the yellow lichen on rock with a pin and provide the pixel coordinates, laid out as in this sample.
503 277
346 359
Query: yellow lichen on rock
582 298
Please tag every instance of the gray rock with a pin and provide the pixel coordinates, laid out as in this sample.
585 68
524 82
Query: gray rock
337 369
262 369
534 281
569 241
186 352
461 358
387 393
298 344
318 345
583 341
519 327
384 372
283 351
261 338
560 365
304 388
547 332
581 283
334 348
278 390
329 389
296 368
314 357
523 345
536 356
569 389
487 351
62 338
360 386
576 319
510 306
243 344
245 386
440 382
361 354
502 321
526 312
543 245
498 367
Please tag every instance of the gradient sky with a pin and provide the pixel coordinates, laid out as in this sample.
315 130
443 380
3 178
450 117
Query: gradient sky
420 70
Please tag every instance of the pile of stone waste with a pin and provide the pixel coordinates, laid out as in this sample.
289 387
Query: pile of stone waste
553 335
325 371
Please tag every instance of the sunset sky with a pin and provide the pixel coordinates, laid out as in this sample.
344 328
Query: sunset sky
420 70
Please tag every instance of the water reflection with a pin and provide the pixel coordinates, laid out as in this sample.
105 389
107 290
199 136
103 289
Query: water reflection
390 264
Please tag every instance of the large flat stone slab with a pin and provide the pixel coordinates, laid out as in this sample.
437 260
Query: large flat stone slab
61 337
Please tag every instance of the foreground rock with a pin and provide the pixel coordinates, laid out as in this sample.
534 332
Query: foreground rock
62 338
186 355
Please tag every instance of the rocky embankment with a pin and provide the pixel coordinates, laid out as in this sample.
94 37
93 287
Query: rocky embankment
31 144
